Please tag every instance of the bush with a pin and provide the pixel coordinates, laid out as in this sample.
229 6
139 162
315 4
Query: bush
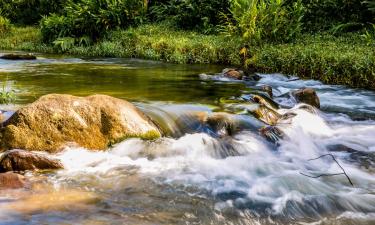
92 18
265 20
322 15
4 25
29 12
201 15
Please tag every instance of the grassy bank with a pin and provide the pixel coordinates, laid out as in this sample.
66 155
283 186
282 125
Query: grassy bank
336 60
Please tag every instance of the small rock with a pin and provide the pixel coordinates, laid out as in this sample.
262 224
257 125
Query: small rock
20 160
268 90
272 133
234 73
18 57
266 115
222 123
11 180
308 96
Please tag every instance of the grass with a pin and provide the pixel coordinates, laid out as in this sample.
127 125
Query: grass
345 60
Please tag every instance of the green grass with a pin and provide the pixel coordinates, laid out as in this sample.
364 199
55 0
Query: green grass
336 60
344 60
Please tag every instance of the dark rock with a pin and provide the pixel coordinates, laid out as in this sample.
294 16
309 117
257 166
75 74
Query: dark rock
18 57
223 124
11 180
20 160
272 133
253 77
268 90
308 96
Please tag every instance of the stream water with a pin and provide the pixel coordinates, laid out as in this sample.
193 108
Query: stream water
193 176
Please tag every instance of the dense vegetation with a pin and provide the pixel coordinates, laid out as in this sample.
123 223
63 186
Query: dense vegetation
327 39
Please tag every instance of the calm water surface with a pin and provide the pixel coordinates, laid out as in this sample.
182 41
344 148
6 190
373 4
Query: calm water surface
192 176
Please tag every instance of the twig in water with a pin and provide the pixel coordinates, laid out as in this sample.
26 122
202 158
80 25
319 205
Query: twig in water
294 79
330 174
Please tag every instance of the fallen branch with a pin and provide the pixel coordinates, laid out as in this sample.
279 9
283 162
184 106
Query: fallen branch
329 174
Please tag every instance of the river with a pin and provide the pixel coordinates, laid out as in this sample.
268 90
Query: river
192 176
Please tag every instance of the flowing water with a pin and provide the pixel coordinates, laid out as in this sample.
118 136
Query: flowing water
195 175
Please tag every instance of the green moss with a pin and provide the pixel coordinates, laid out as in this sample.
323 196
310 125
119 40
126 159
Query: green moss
149 135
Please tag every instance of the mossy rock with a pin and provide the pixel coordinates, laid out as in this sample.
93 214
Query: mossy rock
55 121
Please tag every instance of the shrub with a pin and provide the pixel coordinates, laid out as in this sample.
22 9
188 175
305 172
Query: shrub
201 15
322 15
4 25
260 20
92 18
29 12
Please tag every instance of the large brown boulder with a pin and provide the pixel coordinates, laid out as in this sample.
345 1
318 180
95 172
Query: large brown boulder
55 121
20 160
308 96
12 181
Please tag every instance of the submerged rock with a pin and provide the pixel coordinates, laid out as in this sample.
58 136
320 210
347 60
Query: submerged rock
11 180
55 121
308 96
272 133
222 123
20 160
18 57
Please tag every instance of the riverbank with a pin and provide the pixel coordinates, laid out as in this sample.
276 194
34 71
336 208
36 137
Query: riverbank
348 60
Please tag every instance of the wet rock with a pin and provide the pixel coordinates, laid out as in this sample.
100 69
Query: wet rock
272 133
268 90
11 180
266 101
252 77
18 57
266 115
223 124
56 121
20 160
234 73
308 96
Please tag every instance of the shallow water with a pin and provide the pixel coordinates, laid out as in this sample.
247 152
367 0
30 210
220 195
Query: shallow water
194 176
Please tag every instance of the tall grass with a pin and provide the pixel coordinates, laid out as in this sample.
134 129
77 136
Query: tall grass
265 20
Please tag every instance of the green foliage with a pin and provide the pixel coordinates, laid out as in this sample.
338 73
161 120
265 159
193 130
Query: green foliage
5 25
200 15
369 35
92 18
370 5
7 96
260 20
29 12
323 15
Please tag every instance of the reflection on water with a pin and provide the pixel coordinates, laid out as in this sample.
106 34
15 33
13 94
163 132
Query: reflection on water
193 175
